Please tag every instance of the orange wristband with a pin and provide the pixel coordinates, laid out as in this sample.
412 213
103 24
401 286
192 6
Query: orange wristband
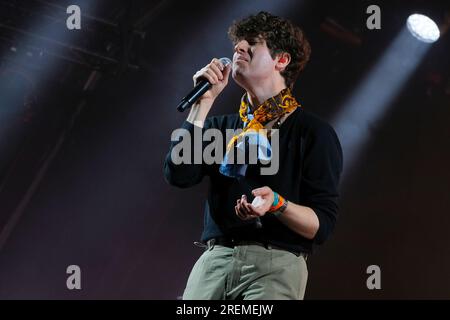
279 203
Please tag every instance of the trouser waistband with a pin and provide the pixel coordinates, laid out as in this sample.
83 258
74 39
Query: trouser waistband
231 243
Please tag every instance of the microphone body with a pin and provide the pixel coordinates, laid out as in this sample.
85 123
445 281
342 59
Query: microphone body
202 86
187 102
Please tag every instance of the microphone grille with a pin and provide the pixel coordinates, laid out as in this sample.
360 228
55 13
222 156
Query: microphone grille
226 61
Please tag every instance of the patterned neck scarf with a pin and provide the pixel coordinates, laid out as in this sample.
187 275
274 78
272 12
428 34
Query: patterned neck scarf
271 109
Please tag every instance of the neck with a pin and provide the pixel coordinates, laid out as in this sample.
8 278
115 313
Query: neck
260 93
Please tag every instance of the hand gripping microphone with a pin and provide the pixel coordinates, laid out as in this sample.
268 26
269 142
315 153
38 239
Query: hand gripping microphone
202 86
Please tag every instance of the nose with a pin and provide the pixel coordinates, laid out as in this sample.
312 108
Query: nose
241 46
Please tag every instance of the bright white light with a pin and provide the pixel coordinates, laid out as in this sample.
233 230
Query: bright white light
423 28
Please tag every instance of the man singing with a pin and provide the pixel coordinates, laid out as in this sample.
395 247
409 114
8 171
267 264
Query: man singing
260 228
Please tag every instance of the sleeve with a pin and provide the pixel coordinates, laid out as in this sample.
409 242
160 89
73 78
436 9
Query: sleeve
322 168
183 165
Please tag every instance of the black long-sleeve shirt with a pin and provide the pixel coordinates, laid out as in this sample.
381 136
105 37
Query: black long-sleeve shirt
310 157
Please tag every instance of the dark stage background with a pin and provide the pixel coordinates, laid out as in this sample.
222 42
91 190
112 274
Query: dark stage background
85 122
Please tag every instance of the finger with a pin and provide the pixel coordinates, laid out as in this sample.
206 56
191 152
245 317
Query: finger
239 213
243 210
244 203
244 200
212 74
250 209
218 63
256 192
217 71
203 74
226 71
261 191
239 204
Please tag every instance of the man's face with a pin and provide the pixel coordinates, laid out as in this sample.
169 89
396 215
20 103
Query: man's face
252 61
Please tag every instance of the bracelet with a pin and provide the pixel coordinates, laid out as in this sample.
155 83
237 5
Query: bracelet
280 211
278 202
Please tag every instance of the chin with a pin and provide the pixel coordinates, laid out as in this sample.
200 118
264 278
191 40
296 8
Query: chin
238 73
238 77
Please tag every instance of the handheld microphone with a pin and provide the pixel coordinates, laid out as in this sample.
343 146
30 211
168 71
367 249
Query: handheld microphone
202 86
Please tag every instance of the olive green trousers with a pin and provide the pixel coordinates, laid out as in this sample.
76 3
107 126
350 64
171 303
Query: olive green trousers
248 272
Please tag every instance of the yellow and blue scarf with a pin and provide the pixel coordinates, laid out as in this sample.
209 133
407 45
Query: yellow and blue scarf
271 109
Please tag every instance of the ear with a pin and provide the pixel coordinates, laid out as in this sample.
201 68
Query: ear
283 59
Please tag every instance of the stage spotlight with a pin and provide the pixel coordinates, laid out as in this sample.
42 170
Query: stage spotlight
423 28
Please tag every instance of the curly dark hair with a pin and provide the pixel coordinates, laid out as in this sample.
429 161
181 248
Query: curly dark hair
281 35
